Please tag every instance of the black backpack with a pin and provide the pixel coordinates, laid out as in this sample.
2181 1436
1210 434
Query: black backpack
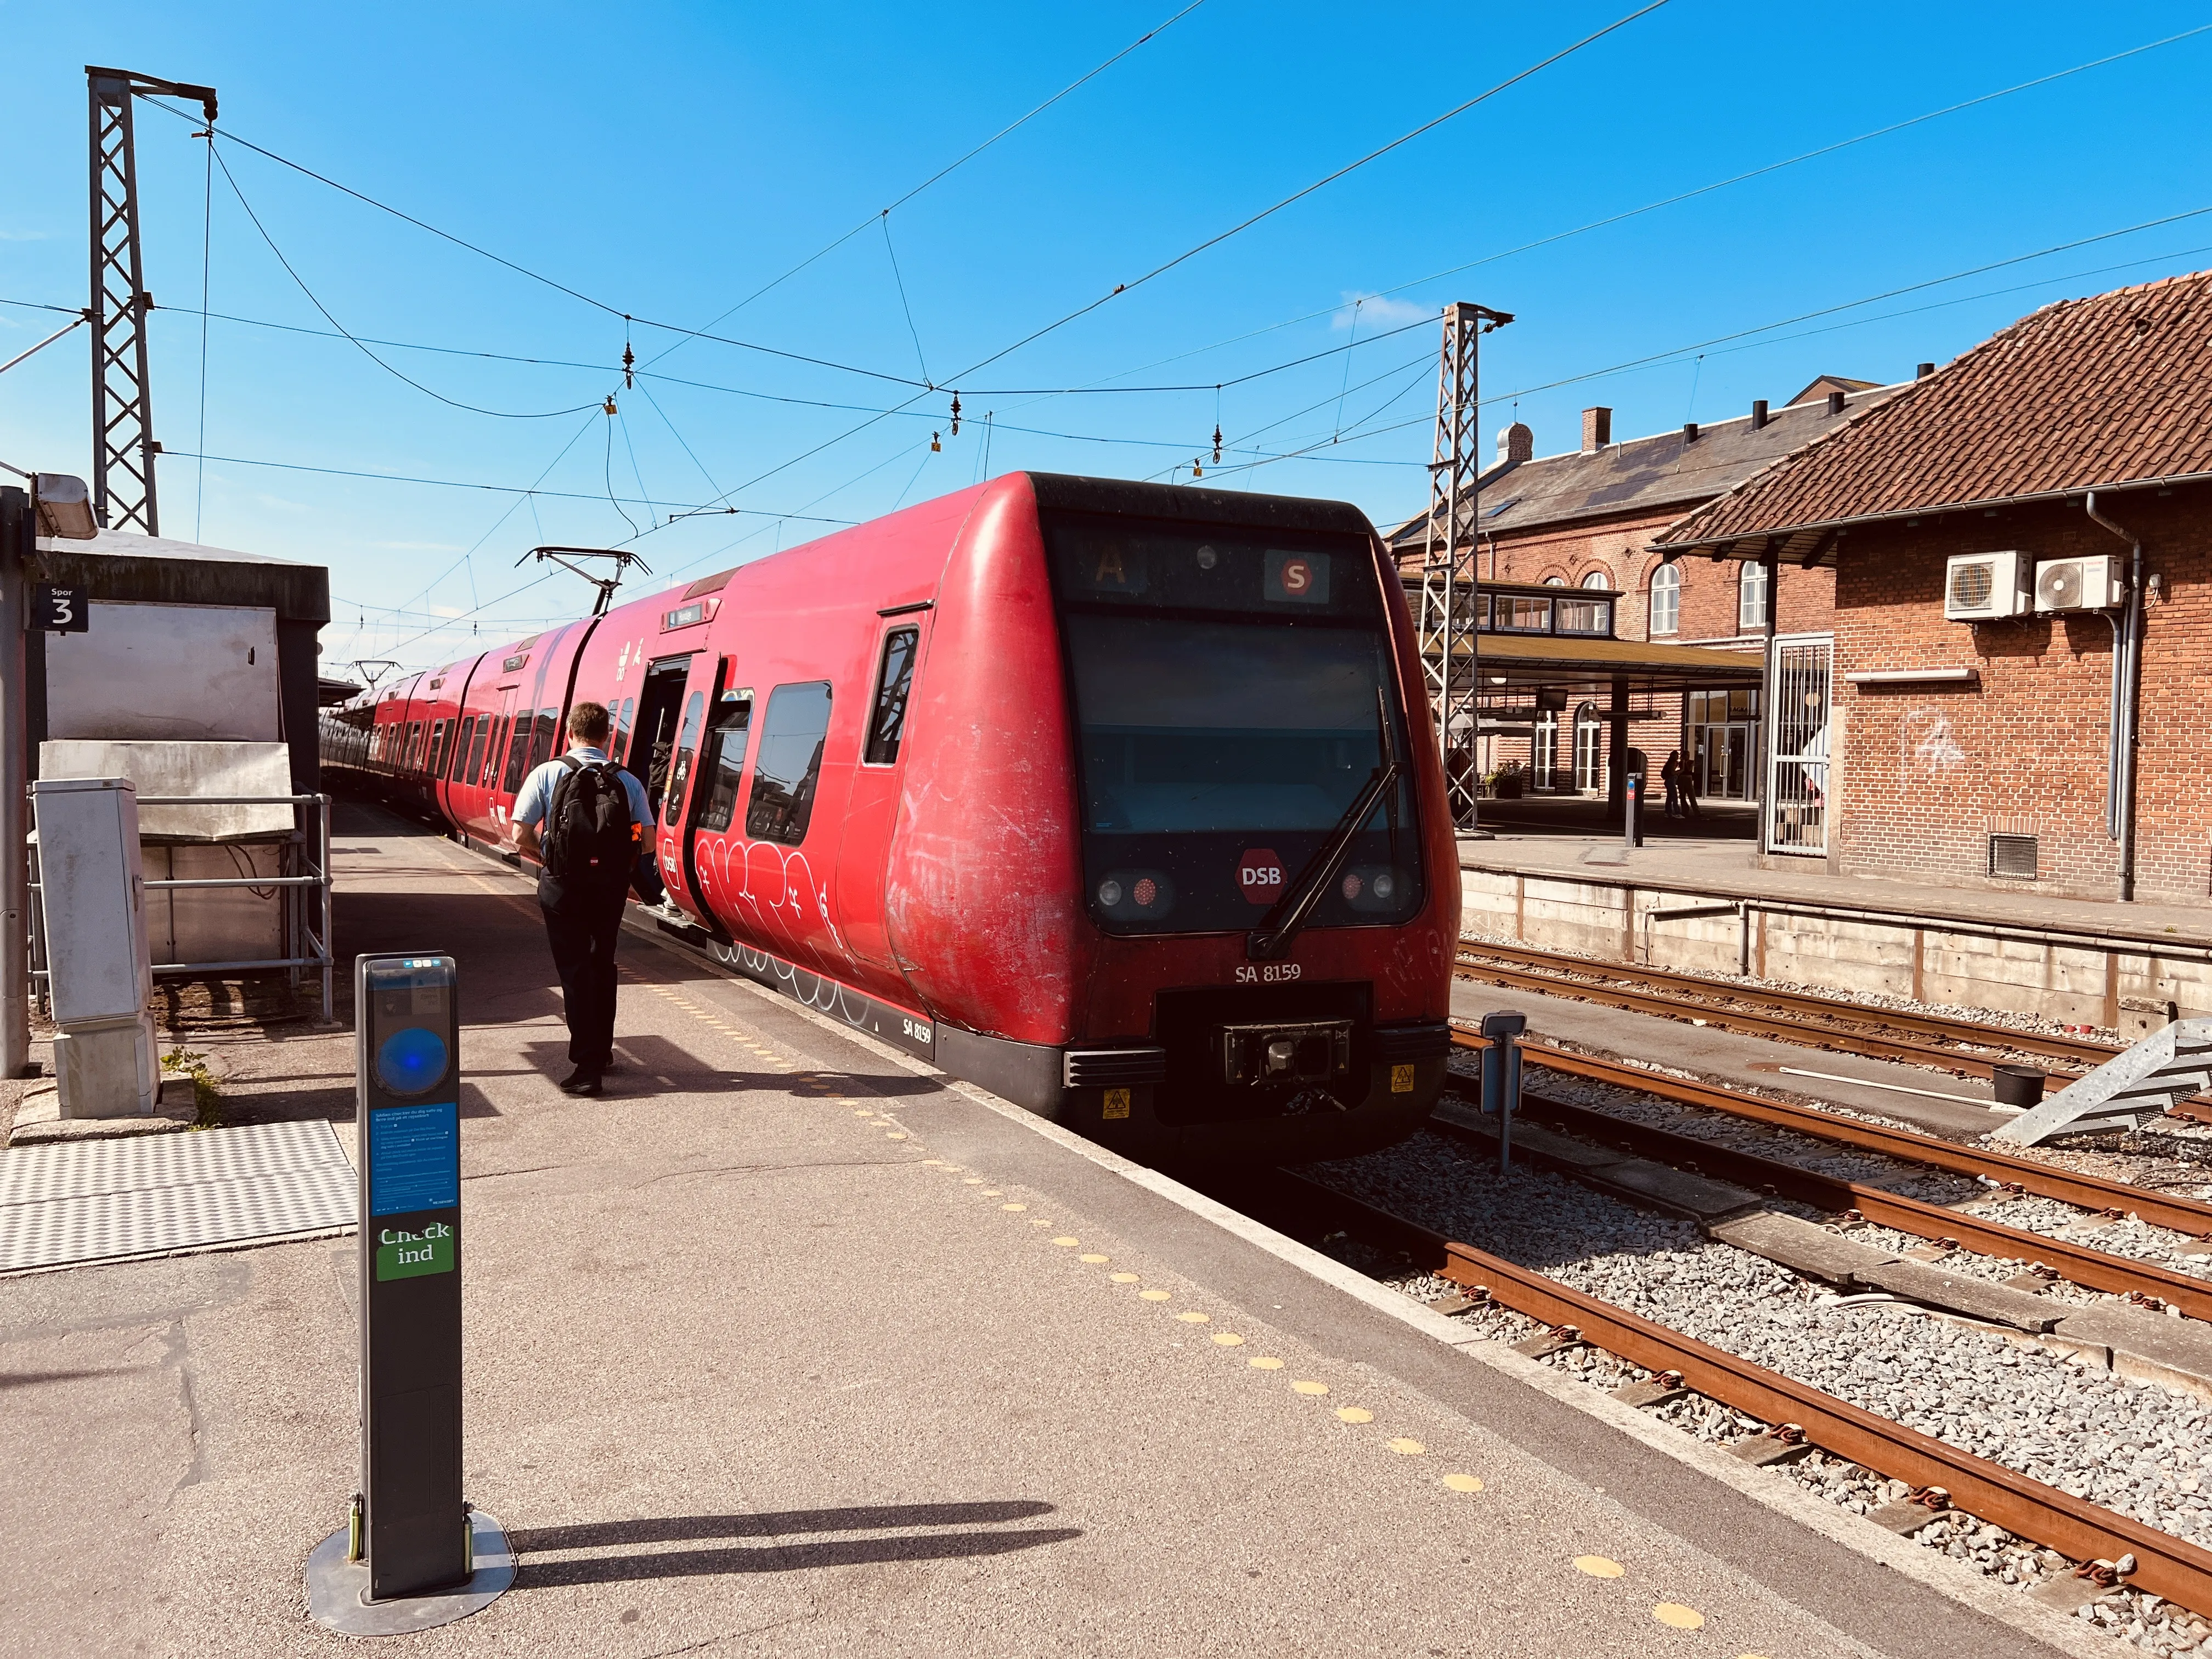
590 841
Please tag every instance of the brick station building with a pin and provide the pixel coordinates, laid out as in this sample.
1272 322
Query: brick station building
1586 518
1995 752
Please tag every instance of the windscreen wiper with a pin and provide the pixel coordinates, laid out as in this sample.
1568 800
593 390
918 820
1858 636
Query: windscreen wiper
1272 938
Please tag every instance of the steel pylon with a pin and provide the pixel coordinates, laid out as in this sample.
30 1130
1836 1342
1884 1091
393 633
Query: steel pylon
1447 632
123 446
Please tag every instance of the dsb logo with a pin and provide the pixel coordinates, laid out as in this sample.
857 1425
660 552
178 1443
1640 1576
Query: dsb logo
1259 876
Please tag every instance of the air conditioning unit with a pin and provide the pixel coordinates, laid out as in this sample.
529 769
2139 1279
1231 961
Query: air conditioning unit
1977 586
2093 584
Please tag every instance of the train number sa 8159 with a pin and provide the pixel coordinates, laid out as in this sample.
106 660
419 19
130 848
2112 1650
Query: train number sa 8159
1268 973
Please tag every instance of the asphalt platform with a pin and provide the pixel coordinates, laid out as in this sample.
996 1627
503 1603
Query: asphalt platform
790 1347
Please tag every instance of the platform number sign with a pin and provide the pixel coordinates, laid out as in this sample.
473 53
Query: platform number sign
60 608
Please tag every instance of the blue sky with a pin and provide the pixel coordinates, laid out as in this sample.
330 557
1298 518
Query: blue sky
669 161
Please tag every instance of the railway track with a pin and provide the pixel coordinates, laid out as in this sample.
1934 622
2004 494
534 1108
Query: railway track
2092 1192
1968 1046
1942 1476
2077 1264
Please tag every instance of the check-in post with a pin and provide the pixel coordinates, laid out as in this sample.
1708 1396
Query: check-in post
415 1527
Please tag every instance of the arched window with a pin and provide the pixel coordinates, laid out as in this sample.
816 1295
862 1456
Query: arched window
1555 581
1597 579
1665 612
1544 751
1750 596
1589 749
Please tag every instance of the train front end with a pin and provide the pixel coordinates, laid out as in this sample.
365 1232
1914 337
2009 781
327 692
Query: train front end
1250 953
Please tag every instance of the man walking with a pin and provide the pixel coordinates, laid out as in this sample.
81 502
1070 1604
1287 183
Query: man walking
595 816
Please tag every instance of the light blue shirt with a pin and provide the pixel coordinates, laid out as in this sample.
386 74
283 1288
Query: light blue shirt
536 799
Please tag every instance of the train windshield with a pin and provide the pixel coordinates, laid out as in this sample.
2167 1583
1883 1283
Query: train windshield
1231 691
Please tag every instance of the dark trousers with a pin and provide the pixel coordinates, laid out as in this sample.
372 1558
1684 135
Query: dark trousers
583 940
1673 798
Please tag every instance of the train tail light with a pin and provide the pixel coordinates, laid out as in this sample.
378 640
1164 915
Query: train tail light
1135 895
1373 888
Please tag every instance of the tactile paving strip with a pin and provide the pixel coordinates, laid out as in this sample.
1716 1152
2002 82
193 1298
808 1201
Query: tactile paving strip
101 1200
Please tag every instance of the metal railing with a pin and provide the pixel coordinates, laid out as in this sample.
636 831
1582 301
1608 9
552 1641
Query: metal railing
307 929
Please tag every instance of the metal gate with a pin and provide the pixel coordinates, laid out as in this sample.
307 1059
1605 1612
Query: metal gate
1797 801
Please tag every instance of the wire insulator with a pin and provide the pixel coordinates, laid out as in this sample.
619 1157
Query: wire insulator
935 447
956 414
629 367
1216 443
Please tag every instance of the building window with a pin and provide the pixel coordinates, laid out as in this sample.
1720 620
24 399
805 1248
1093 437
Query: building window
1544 751
1665 611
1587 615
1590 750
1750 596
1555 581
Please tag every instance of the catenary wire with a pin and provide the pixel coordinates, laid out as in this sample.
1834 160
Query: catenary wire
454 402
1243 225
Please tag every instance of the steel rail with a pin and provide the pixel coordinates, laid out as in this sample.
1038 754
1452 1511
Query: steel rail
2088 1192
1750 1024
2081 1051
2078 1264
2165 1565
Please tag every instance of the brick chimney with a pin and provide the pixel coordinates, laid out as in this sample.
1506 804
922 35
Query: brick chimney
1516 443
1597 429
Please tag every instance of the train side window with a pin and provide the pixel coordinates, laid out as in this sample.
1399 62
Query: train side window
626 708
541 745
415 746
468 759
493 750
518 756
437 767
887 724
789 765
726 759
687 743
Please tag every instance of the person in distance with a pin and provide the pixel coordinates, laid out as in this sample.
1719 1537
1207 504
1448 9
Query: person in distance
594 815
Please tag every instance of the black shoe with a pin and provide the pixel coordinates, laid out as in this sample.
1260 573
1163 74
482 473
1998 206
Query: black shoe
581 1081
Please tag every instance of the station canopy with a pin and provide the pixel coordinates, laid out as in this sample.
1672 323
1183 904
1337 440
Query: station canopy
1532 636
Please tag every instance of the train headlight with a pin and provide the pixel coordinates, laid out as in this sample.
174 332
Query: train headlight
1386 885
1136 895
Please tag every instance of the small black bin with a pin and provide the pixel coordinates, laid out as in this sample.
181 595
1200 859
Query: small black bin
2017 1085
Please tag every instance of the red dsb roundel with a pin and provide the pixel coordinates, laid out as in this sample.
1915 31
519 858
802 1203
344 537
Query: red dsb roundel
1297 577
1259 876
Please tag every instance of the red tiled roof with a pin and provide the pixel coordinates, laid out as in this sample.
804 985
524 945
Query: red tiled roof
2083 394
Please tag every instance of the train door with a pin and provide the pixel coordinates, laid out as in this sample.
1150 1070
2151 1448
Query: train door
652 735
872 809
701 685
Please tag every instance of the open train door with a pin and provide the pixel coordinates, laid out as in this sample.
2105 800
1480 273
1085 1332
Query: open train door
671 717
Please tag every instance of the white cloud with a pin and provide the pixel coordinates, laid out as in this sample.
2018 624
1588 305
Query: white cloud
26 236
1378 311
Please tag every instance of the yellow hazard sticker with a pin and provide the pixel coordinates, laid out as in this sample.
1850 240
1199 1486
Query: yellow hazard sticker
1117 1103
1401 1079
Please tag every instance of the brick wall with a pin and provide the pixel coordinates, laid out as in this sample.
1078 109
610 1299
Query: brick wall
1928 772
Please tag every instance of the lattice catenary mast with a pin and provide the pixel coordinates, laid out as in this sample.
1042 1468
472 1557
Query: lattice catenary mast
122 446
1447 633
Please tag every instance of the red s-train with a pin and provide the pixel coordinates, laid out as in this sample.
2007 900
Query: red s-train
1111 797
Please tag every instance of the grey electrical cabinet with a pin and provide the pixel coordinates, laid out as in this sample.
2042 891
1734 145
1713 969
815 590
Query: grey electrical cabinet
91 896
